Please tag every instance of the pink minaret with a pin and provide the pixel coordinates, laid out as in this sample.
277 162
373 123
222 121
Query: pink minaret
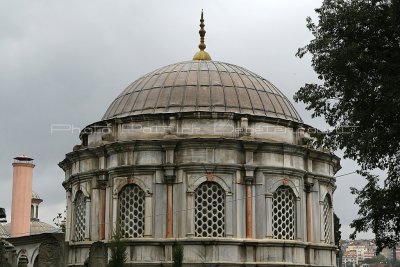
21 196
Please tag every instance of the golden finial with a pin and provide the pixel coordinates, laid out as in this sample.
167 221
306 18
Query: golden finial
202 55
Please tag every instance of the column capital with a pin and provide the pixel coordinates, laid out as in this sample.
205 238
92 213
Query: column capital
102 184
169 145
249 173
169 173
308 183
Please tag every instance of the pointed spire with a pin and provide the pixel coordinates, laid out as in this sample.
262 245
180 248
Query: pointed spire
202 33
202 55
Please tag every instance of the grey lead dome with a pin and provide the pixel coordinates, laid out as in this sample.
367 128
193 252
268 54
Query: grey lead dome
208 86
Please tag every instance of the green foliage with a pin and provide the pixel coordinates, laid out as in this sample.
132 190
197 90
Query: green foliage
177 254
356 54
118 249
377 259
378 211
336 229
337 235
60 220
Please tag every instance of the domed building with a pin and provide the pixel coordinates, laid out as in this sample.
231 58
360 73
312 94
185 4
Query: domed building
207 154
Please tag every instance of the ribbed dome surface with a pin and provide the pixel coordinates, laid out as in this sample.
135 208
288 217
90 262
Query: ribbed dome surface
38 227
209 86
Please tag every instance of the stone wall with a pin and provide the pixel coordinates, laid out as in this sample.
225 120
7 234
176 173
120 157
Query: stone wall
164 155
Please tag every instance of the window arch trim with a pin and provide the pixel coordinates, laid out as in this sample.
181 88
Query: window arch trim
121 182
80 187
280 183
203 179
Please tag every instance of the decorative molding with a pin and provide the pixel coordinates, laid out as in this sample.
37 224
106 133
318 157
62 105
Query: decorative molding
194 182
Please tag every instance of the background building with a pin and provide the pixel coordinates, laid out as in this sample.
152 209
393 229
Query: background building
350 257
26 237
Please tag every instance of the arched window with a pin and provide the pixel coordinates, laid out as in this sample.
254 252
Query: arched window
131 211
209 210
327 215
284 213
23 261
80 216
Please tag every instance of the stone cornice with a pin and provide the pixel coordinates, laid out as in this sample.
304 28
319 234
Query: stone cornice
322 178
281 171
267 242
133 169
196 115
157 144
202 167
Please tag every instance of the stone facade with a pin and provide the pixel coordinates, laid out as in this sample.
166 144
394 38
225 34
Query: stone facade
235 189
98 255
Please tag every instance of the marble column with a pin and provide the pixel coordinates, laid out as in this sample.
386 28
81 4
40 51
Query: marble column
102 209
169 177
249 214
169 211
249 167
309 215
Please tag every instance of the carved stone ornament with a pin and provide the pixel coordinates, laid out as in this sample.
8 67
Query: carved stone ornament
50 253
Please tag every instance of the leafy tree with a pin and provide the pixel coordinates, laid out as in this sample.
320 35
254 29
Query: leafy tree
117 248
336 229
338 236
378 211
177 254
60 220
377 259
356 54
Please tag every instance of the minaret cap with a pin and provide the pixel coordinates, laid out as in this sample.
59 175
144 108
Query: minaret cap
202 55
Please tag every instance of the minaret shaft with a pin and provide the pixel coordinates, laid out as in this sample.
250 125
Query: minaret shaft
21 198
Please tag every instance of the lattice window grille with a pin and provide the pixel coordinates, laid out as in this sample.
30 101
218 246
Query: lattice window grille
209 210
283 214
80 217
327 214
131 211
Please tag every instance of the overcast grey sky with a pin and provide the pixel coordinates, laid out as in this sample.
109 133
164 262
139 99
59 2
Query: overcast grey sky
65 61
